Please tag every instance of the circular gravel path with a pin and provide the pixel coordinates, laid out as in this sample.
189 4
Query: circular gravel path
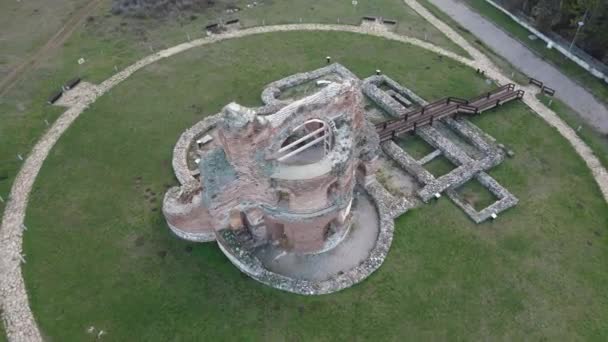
17 316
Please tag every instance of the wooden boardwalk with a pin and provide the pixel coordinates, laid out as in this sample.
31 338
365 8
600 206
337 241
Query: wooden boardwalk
450 106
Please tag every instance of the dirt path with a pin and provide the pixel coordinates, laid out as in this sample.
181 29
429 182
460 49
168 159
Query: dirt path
17 315
56 41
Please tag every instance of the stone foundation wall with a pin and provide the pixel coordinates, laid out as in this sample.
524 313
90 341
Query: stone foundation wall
467 167
250 265
271 93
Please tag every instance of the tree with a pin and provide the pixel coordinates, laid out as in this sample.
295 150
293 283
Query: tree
547 13
594 35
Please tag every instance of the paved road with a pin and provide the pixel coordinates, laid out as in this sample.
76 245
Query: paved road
577 97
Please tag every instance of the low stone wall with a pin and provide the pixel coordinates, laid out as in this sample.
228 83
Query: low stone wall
505 200
394 206
371 88
194 237
467 167
429 157
407 162
271 93
436 139
473 134
250 265
180 151
382 99
173 207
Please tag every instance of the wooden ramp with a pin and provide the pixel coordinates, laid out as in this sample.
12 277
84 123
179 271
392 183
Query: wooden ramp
450 106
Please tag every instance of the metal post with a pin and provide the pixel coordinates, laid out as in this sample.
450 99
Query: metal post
579 24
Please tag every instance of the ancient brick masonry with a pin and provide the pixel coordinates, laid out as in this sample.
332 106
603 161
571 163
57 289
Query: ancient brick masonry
249 184
284 176
289 178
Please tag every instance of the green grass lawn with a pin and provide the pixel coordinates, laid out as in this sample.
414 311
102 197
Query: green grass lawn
100 255
439 166
109 43
414 145
597 141
569 68
28 25
476 195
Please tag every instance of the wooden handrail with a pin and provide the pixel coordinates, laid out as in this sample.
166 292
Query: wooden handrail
439 109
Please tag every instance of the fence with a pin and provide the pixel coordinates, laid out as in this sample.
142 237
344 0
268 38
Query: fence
592 65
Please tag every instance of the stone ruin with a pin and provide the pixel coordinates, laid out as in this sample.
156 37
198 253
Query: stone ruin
288 190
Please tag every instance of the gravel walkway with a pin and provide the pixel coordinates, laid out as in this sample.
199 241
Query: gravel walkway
18 319
492 71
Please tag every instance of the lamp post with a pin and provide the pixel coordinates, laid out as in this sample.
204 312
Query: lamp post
580 24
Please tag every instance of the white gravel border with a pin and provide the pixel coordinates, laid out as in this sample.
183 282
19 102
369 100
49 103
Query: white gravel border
17 316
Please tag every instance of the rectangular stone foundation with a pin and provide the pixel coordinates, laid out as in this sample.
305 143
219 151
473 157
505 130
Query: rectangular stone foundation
467 167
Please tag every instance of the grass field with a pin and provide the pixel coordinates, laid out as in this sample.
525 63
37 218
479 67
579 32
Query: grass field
569 68
27 25
100 255
439 166
414 146
109 43
598 142
476 194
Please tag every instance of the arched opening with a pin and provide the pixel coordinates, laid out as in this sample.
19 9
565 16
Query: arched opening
307 143
332 190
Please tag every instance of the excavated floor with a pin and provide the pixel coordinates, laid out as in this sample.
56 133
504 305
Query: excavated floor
354 249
